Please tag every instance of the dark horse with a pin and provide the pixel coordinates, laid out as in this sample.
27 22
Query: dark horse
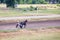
21 24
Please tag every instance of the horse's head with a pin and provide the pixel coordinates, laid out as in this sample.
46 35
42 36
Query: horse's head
26 20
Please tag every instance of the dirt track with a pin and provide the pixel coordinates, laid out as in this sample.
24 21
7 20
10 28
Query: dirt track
37 24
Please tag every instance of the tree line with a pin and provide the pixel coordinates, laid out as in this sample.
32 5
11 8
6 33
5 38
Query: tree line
13 3
32 1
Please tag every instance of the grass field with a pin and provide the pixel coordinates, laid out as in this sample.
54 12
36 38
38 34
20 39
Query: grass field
14 12
23 10
31 34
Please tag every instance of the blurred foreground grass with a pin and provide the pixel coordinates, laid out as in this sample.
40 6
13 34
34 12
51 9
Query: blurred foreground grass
32 34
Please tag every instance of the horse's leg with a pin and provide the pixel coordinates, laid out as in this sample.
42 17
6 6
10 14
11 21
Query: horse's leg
16 25
24 26
21 26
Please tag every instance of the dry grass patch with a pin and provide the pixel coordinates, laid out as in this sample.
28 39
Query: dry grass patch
32 34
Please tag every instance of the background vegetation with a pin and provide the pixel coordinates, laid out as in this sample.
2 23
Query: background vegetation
32 1
13 3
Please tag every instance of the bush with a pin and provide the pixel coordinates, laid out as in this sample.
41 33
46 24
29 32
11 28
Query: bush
58 5
31 8
36 8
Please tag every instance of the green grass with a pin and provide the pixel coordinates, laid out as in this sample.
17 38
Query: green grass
52 11
14 12
7 31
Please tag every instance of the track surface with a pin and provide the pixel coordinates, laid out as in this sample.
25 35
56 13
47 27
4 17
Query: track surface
37 24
